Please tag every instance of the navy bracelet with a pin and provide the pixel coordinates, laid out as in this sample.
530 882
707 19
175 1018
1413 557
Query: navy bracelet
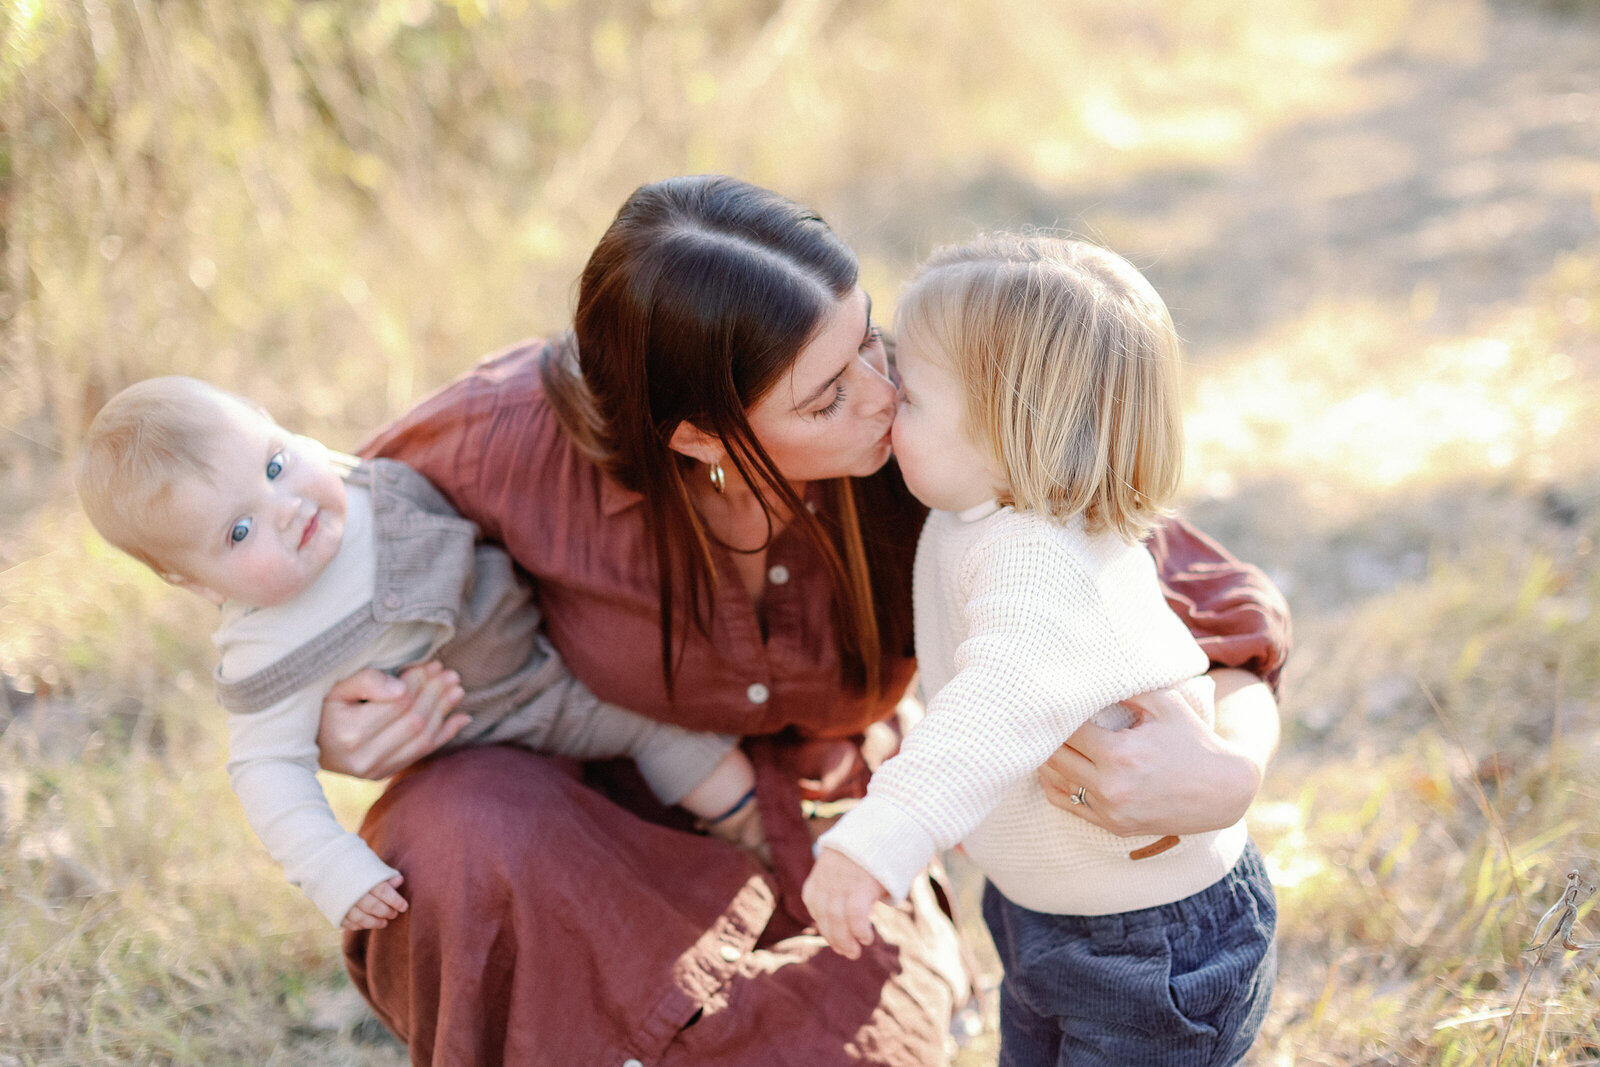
737 808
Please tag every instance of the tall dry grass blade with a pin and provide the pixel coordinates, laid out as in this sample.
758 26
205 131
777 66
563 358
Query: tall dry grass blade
1488 809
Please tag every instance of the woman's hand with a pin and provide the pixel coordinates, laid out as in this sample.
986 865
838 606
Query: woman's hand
839 894
1169 773
374 724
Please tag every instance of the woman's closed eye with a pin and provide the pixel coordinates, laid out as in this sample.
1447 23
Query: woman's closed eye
833 405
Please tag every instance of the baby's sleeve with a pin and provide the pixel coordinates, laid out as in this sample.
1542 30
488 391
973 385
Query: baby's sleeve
272 762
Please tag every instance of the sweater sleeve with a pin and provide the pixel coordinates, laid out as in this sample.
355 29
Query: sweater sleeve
1234 611
272 761
1041 656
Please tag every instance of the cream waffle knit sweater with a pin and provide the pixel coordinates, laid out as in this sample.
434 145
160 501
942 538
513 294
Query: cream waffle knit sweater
1026 629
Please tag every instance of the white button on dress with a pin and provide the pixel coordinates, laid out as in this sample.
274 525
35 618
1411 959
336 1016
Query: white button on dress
778 574
757 693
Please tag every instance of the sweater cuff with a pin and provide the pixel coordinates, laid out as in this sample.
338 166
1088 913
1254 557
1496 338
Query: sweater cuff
352 869
884 840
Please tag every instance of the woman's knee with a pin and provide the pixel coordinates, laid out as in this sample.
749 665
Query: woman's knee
474 806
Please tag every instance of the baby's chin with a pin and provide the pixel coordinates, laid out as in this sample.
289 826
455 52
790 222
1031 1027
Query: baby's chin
295 586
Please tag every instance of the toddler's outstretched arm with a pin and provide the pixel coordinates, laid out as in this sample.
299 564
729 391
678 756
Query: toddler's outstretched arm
840 894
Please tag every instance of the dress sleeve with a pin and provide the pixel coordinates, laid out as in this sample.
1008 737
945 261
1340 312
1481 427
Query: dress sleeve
1234 611
477 439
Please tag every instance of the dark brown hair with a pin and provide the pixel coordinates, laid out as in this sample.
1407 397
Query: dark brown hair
698 298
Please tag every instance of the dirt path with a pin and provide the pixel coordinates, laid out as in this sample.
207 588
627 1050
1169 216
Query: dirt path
1455 178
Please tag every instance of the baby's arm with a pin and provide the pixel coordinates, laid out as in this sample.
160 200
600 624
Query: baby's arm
704 772
273 763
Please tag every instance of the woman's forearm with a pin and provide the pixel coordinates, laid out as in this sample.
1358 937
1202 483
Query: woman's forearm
1247 715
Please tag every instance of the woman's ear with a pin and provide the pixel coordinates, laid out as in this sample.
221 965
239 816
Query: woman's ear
695 443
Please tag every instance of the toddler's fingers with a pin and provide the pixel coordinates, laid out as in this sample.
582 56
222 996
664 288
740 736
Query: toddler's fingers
860 919
835 929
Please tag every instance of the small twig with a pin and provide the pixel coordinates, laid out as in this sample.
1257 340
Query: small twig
1565 913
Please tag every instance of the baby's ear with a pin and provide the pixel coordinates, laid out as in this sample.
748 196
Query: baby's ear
205 592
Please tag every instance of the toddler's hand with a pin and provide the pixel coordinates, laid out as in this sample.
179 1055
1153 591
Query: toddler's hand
840 894
374 910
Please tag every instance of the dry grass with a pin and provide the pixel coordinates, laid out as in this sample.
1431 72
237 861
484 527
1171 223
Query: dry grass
1375 221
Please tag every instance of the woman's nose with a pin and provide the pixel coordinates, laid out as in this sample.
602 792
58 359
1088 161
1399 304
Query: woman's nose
881 383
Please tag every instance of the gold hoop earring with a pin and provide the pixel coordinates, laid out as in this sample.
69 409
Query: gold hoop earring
719 481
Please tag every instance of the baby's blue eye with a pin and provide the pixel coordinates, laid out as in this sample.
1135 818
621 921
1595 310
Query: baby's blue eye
274 466
240 531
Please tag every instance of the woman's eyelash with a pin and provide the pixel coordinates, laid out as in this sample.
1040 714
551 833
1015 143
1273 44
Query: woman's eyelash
874 335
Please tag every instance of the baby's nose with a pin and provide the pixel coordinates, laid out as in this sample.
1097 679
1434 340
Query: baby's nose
295 509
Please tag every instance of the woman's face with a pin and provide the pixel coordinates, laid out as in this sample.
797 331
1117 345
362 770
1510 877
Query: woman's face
829 417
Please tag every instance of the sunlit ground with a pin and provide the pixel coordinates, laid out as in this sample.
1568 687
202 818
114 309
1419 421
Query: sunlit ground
1376 224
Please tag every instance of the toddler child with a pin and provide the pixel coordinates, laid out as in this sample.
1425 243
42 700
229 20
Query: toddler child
1039 420
322 566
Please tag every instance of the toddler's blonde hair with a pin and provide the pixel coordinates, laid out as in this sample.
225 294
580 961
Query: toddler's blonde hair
1069 363
145 438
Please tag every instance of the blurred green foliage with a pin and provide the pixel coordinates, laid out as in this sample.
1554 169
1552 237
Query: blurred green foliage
332 206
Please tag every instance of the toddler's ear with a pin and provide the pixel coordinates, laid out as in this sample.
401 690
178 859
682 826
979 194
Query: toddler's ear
203 591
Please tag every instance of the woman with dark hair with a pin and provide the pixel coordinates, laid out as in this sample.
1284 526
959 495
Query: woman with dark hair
698 480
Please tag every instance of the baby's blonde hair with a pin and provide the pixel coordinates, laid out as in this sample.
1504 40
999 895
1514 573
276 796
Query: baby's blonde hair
145 438
1069 362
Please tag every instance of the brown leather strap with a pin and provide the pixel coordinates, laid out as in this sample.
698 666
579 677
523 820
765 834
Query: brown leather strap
1155 848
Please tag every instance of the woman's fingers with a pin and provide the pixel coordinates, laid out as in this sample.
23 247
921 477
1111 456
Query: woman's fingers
1064 772
374 725
411 732
1168 773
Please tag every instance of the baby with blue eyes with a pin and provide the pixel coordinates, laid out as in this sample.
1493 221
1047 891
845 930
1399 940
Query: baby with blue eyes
323 565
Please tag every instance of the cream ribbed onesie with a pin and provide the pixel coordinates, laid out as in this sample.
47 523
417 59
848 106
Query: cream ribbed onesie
1026 629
